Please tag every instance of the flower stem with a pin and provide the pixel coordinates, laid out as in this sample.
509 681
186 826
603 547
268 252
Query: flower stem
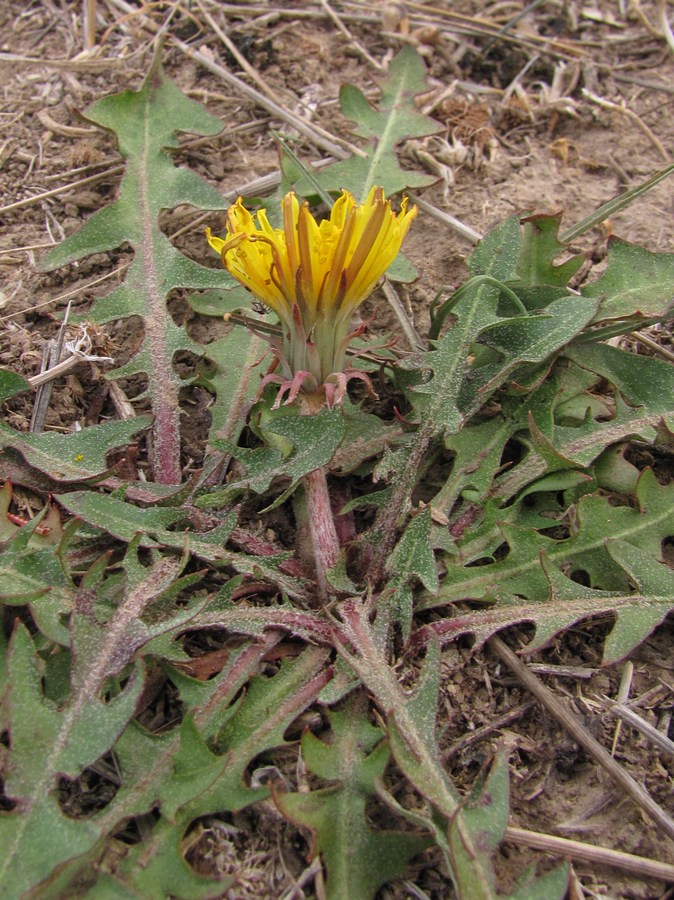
322 531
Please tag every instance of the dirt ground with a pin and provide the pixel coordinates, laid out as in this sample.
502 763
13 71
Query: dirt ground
569 106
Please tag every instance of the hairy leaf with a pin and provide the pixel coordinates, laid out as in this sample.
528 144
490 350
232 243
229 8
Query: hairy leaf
395 119
299 444
156 868
45 743
11 383
413 555
412 735
540 248
520 574
72 458
123 521
358 858
645 398
235 381
208 782
34 574
145 123
623 295
637 612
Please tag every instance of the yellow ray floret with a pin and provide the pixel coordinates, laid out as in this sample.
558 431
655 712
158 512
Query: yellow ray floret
326 269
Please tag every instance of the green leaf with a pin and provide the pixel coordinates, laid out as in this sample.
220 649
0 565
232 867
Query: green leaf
637 611
219 302
396 119
436 401
536 337
208 782
645 400
35 575
411 726
256 620
536 266
636 286
366 436
156 869
476 455
413 555
358 858
610 208
45 743
520 575
124 521
76 457
11 384
146 761
312 441
235 381
145 123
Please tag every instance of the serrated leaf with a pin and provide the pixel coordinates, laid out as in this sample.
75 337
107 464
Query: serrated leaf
145 123
207 782
637 611
413 555
536 337
637 284
146 761
255 621
46 742
536 268
476 454
366 436
411 724
437 399
36 576
124 521
76 457
395 119
312 441
647 386
520 575
220 302
358 858
156 868
235 382
128 630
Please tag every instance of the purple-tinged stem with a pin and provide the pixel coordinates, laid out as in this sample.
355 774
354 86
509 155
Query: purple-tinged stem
322 531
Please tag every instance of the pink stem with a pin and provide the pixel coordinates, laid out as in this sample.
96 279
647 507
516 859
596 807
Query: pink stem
324 540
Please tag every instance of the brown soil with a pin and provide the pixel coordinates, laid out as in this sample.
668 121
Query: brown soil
570 108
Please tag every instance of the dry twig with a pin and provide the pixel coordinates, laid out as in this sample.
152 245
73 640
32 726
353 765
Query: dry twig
619 710
581 735
636 865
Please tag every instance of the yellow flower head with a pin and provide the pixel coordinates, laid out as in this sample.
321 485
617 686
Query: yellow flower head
314 275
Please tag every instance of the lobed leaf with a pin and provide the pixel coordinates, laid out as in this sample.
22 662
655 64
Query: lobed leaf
47 742
639 299
72 458
520 575
124 520
145 123
540 248
299 445
637 612
644 400
359 859
208 782
395 119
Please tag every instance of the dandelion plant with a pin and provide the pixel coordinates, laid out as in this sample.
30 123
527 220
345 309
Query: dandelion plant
267 632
